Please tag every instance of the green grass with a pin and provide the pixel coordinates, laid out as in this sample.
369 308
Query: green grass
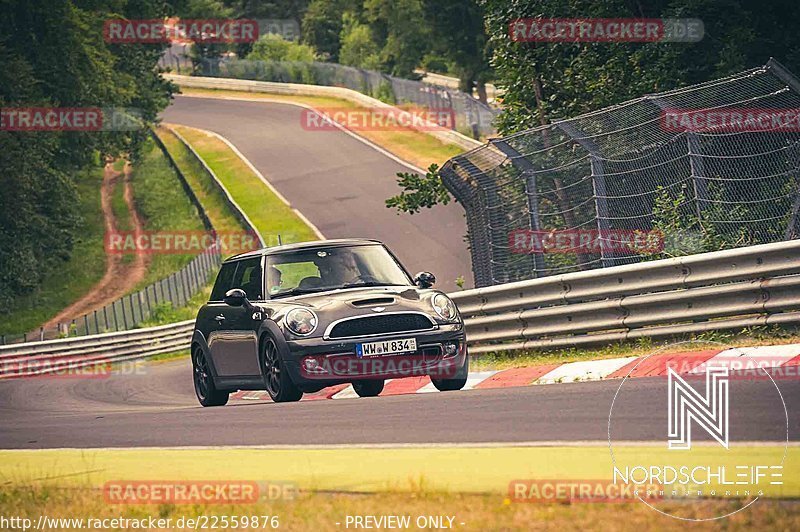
416 481
321 511
78 275
164 207
119 207
268 213
221 215
164 313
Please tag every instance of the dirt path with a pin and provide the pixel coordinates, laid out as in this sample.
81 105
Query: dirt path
120 276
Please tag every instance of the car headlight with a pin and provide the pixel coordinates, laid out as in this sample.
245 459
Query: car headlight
301 321
444 307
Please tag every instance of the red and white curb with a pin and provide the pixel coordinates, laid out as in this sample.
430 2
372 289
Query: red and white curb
695 362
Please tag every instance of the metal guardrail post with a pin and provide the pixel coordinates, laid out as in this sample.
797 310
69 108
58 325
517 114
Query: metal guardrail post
696 163
528 172
477 222
598 184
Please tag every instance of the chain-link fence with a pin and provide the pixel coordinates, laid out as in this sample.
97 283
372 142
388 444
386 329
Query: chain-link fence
706 167
129 311
472 117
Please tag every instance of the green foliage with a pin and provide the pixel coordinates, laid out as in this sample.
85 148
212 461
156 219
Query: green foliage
419 191
402 30
272 47
358 47
384 93
573 78
321 27
458 36
53 54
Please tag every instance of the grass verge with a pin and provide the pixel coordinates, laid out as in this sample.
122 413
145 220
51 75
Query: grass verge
76 277
164 206
328 484
219 213
412 146
469 512
268 213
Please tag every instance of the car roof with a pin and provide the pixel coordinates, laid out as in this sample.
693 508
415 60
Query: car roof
341 242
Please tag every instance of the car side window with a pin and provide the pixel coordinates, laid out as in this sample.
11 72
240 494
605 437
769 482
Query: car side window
248 278
223 282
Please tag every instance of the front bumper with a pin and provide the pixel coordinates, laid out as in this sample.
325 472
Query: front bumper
317 363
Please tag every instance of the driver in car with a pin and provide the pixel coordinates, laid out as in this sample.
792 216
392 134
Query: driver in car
339 269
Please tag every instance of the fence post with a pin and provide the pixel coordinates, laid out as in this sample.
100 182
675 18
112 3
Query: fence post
86 323
105 317
185 276
139 300
529 173
41 333
696 167
96 325
477 218
598 185
124 317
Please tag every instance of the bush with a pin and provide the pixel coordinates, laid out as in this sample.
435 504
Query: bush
272 47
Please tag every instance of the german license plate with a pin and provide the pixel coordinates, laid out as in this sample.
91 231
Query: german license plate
387 347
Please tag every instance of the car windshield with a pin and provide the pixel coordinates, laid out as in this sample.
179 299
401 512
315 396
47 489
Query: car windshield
330 268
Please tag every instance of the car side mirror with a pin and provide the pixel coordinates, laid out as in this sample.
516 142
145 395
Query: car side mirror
424 279
235 297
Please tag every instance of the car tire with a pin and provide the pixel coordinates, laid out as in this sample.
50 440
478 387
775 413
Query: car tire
277 381
368 388
204 387
457 382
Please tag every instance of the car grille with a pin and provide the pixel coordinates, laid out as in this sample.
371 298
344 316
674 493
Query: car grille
387 324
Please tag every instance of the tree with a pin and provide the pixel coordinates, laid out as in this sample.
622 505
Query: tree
358 47
458 34
321 27
401 30
547 81
53 55
272 47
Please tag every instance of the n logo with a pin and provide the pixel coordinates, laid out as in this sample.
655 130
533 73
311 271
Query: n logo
685 404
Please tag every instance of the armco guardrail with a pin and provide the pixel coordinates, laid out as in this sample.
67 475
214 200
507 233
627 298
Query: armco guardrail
269 87
235 208
70 354
731 289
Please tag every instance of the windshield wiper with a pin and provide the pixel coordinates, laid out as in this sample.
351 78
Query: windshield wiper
299 291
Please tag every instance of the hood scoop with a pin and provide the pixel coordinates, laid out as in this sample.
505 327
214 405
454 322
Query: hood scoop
371 302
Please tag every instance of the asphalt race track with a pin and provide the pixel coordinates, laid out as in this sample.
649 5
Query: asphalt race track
157 407
339 183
